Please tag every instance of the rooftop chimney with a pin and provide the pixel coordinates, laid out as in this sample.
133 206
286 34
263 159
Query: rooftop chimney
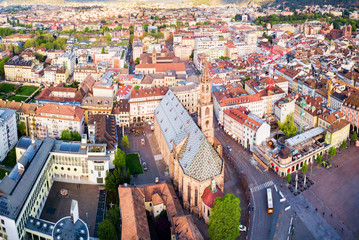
74 212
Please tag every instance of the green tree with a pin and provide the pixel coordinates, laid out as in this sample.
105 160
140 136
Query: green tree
319 159
66 135
224 58
2 63
125 144
17 50
224 218
344 144
106 231
76 136
304 170
113 215
115 178
288 126
354 136
332 151
40 57
288 177
136 87
22 128
120 158
108 38
137 61
103 51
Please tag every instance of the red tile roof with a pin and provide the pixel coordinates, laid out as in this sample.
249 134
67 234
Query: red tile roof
208 196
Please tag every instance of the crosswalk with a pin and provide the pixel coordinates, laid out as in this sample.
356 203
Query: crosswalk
261 186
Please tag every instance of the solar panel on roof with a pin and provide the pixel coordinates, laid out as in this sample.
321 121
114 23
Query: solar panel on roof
65 146
24 143
75 147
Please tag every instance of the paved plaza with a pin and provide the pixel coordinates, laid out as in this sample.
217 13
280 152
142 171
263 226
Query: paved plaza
58 206
336 193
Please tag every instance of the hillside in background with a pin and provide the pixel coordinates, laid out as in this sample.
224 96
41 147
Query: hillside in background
292 3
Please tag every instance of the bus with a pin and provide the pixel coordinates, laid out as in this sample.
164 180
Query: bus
270 200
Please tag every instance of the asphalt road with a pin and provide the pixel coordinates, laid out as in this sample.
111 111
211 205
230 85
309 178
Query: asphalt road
262 224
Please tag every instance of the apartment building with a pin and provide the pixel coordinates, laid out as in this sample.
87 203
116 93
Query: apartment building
246 128
96 105
82 71
350 109
8 131
143 103
25 113
188 95
214 47
19 70
121 111
137 49
52 119
66 60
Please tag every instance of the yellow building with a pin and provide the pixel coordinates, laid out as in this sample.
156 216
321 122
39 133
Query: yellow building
337 132
16 69
61 76
97 105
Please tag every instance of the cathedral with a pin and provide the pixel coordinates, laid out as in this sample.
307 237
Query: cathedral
194 165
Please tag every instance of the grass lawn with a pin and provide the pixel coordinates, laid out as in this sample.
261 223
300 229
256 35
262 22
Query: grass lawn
133 163
2 173
10 159
26 90
7 87
16 98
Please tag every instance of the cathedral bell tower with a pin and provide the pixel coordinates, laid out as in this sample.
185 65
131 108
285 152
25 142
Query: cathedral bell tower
205 109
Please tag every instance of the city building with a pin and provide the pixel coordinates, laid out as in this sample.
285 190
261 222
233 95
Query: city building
96 105
143 103
18 70
52 119
246 128
8 131
39 163
350 109
25 113
82 71
288 155
192 161
135 201
284 107
337 132
103 129
121 111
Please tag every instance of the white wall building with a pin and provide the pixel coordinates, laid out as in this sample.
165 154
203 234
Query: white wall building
246 128
284 107
8 131
52 119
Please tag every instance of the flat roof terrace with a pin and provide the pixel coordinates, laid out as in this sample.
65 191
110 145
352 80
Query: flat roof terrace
58 206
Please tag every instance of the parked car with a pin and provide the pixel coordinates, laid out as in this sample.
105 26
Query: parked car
229 148
144 165
143 141
242 228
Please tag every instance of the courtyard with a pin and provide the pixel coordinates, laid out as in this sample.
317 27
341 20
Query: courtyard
58 206
15 92
335 193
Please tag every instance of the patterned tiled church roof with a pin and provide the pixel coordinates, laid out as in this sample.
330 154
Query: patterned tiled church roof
197 157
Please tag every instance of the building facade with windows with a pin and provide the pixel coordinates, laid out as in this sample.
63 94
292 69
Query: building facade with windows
52 119
24 191
8 131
